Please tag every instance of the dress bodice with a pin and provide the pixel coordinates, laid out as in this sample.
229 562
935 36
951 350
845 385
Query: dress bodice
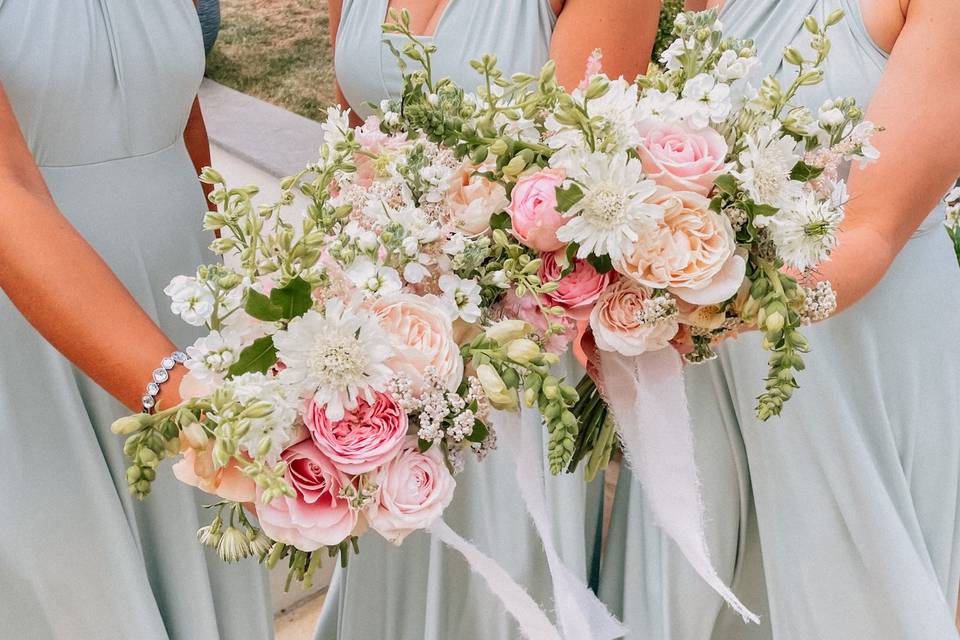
853 68
517 31
124 79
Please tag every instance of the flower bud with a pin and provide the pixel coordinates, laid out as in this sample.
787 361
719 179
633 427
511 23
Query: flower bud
793 56
499 147
774 322
130 424
835 17
515 166
522 350
506 330
490 380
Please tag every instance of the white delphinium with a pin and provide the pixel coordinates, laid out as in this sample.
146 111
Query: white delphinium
765 167
336 126
191 299
614 212
336 356
279 426
704 101
806 232
373 279
463 297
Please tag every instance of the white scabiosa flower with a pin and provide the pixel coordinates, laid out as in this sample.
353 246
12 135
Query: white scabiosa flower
335 357
806 232
190 299
764 168
372 279
463 297
614 211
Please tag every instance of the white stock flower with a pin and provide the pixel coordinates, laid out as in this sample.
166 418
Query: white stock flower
865 151
806 232
614 117
335 357
190 299
373 279
829 114
280 425
614 212
732 66
656 104
705 100
463 297
765 167
670 58
336 126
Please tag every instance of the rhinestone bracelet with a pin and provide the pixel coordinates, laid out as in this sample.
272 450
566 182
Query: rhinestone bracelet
160 375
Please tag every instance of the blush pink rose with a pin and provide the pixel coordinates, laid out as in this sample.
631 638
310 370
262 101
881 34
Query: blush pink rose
692 252
526 308
415 488
533 210
366 437
681 158
617 325
196 468
472 199
316 516
422 337
579 289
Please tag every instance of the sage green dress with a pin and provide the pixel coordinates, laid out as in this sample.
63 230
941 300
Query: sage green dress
857 485
102 90
423 590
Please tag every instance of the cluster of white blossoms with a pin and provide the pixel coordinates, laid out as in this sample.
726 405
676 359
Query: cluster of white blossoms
271 433
819 303
953 208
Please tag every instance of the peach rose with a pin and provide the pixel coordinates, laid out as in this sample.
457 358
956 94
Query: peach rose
680 158
366 437
415 488
619 325
196 468
472 199
533 210
316 515
579 289
422 334
692 252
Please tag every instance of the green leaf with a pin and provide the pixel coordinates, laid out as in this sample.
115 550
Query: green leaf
501 221
257 358
601 263
424 445
568 196
261 307
726 184
716 204
293 298
480 432
754 210
802 172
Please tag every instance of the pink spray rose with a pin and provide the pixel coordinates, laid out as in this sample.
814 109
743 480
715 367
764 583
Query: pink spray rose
422 337
579 289
366 437
691 253
681 158
620 320
316 516
472 199
415 488
533 209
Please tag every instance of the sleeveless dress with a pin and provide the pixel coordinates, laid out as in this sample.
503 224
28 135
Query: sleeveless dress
102 90
856 485
423 590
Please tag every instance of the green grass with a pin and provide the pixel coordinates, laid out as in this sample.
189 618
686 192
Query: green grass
279 51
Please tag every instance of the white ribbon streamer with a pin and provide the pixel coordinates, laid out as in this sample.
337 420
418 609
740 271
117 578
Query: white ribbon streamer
582 616
649 404
533 622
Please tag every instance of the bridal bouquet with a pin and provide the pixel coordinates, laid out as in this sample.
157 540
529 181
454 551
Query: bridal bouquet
953 219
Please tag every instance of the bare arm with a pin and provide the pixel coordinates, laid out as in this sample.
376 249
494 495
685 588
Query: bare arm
623 29
198 145
917 165
696 5
96 324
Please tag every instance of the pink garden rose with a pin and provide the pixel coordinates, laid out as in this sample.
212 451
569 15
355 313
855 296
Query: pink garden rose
526 308
415 488
368 436
579 289
533 209
618 325
422 337
472 199
316 516
681 158
196 468
691 253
